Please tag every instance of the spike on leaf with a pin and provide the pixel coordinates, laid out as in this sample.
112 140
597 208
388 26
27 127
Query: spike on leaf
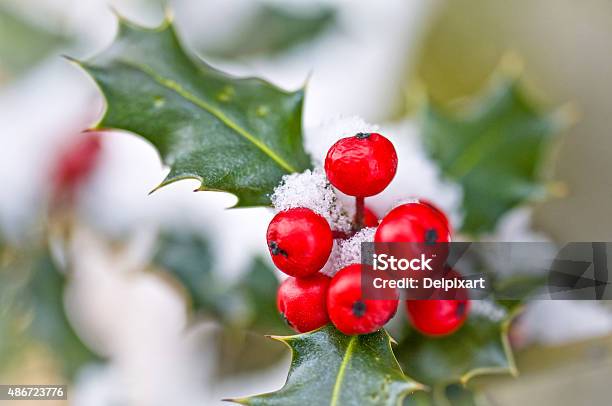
479 347
330 368
238 135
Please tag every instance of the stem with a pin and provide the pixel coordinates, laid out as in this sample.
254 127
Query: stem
359 213
341 235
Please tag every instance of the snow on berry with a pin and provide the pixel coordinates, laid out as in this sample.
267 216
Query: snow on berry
349 251
412 159
310 189
330 268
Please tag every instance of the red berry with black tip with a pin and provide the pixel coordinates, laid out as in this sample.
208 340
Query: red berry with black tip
362 165
301 302
437 317
299 241
349 311
414 222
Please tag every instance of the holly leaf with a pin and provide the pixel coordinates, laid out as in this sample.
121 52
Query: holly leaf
32 289
23 44
330 368
242 352
12 343
247 304
285 29
494 148
188 258
258 290
242 348
50 325
234 135
452 395
519 287
479 347
243 309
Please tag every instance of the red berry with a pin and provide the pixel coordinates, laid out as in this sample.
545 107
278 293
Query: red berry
76 163
362 165
301 302
300 241
437 317
414 222
370 218
349 311
437 211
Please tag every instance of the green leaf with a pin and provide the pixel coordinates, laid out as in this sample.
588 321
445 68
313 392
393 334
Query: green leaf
249 303
494 149
452 395
258 290
235 135
50 325
188 257
32 289
242 347
242 351
242 309
284 30
330 368
23 44
480 346
520 287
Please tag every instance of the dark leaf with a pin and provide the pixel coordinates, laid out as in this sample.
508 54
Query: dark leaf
330 368
494 149
480 346
23 44
32 288
273 30
235 135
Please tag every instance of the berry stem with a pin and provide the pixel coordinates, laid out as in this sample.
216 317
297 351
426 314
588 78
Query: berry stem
340 235
359 213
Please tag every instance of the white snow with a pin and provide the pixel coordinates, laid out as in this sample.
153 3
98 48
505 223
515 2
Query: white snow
489 309
312 190
554 322
349 251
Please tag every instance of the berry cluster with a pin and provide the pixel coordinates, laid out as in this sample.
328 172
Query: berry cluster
300 241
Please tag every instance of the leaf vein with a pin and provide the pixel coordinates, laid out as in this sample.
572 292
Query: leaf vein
341 371
178 89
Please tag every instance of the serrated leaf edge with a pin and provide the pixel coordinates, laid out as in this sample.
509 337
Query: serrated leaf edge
167 24
511 368
416 386
178 89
